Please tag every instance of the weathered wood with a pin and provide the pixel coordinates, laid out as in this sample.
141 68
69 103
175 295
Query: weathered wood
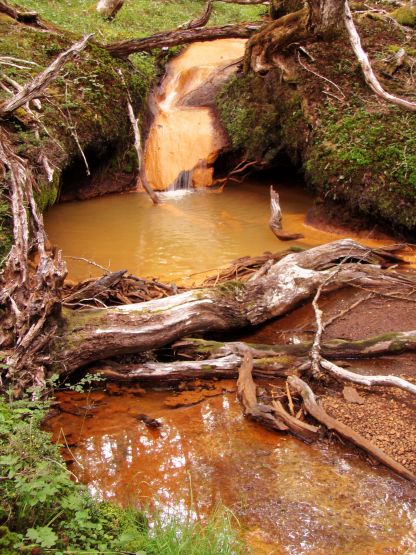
369 75
317 411
246 393
96 334
94 288
123 49
202 20
35 88
275 222
369 381
378 345
273 417
300 429
109 8
139 151
27 17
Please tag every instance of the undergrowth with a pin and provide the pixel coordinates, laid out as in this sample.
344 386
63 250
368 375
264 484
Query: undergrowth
43 511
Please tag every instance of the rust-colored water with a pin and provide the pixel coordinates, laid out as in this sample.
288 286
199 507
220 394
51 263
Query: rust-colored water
187 234
293 499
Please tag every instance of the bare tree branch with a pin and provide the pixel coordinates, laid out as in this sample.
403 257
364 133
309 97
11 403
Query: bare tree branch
368 72
34 88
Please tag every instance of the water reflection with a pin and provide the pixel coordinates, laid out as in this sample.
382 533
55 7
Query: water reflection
295 499
187 234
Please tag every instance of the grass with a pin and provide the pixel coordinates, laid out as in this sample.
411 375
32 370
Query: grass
137 18
43 511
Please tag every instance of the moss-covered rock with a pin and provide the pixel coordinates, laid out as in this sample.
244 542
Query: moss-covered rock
405 15
351 147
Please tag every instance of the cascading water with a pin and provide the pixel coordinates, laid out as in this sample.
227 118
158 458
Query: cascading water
184 141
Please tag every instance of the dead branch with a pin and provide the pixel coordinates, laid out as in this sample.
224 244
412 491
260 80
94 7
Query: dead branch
246 393
109 8
35 88
369 381
30 18
273 417
300 429
202 20
138 146
123 49
379 345
95 288
369 75
275 222
316 410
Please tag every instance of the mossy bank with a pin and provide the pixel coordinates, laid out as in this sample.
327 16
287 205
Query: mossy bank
83 126
355 151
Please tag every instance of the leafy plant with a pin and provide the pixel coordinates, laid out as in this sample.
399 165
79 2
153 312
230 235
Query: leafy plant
42 509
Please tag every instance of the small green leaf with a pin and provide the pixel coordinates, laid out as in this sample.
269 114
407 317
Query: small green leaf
42 535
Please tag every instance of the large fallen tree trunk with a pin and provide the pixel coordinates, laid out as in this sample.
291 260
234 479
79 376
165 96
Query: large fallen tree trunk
92 335
123 49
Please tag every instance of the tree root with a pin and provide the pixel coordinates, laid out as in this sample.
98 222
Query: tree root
316 410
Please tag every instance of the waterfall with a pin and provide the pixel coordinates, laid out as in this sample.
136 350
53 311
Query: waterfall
184 141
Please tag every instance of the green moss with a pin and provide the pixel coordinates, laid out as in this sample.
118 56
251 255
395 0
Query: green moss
405 15
251 123
231 286
373 149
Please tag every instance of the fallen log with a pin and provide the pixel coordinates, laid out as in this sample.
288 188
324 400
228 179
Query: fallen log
226 366
378 345
123 49
316 410
95 334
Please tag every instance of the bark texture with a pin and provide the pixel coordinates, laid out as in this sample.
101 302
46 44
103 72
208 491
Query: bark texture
92 335
123 49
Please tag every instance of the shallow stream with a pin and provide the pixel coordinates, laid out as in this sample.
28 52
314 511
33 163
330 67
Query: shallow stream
289 498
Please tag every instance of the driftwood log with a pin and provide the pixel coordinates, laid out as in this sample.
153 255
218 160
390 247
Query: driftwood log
275 222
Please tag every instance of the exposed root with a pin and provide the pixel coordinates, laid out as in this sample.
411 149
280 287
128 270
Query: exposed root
369 75
369 381
316 410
